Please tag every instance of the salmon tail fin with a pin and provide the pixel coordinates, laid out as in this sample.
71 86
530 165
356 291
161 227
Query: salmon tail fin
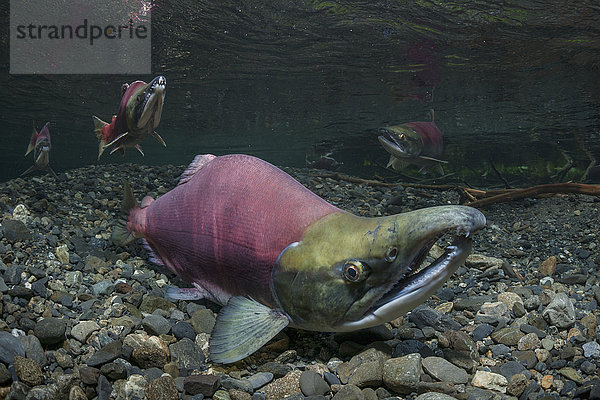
121 235
98 125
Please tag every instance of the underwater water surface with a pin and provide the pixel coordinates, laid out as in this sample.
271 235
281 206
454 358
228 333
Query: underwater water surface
513 86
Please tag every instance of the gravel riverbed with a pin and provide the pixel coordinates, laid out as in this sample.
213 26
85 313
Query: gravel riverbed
83 319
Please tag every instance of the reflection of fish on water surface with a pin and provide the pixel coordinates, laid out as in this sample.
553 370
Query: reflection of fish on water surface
40 145
138 115
413 143
250 237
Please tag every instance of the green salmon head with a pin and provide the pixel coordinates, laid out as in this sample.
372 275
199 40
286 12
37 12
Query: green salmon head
144 107
401 141
352 272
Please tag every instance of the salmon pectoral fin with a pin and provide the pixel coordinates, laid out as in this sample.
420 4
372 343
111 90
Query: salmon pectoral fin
433 159
52 172
30 169
98 125
160 139
242 327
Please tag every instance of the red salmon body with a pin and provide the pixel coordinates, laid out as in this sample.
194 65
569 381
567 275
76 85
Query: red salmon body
231 216
118 125
433 144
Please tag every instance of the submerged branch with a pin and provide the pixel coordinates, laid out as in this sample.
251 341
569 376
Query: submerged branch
551 188
481 198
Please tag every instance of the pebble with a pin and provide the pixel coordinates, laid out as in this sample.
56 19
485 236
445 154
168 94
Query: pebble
5 375
152 353
106 354
490 381
114 371
366 368
508 336
560 312
313 384
283 387
187 354
15 231
203 321
591 350
349 392
548 266
444 371
434 396
83 330
10 346
134 386
259 379
572 374
517 384
50 331
424 316
28 371
162 388
156 325
530 341
205 385
481 332
403 374
182 330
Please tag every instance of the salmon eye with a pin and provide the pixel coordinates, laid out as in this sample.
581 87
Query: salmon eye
391 254
354 271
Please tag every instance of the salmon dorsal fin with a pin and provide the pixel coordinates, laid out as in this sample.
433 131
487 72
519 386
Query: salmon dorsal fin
199 162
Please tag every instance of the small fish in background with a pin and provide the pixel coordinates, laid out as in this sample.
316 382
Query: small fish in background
40 145
138 115
413 143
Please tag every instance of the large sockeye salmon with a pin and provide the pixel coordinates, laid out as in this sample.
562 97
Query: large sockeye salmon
250 237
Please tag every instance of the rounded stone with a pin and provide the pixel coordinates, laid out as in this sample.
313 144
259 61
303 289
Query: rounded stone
184 329
312 384
10 346
77 393
50 331
156 325
153 353
517 384
203 320
530 341
444 370
83 330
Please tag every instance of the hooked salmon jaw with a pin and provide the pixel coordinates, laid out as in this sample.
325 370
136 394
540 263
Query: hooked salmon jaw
150 107
392 145
416 282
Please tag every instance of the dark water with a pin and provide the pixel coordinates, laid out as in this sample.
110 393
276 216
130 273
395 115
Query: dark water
512 83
